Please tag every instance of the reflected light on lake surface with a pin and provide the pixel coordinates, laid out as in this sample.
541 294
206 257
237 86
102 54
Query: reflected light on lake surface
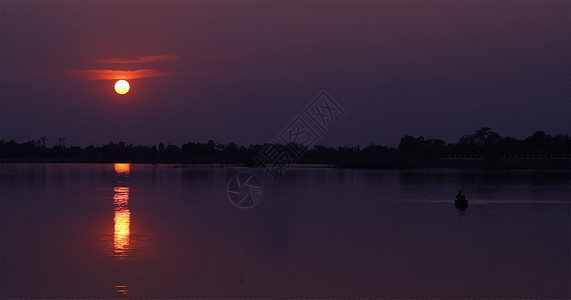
123 169
84 231
122 219
122 289
121 197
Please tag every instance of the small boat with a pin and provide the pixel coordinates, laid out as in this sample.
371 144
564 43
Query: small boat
463 203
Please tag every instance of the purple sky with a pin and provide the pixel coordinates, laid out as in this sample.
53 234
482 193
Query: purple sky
240 71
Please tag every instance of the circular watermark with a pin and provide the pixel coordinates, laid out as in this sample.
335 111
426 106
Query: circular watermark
245 190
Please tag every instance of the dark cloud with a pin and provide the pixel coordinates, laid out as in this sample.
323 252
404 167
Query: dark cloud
142 59
110 74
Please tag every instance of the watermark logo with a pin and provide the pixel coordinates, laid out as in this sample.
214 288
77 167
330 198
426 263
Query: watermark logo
299 135
305 129
323 109
245 190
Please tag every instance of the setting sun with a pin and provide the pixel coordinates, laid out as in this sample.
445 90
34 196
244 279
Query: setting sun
122 87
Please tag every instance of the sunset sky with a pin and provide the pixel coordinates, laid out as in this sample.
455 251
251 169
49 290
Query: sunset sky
241 71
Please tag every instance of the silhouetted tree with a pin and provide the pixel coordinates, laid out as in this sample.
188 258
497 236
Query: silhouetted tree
411 151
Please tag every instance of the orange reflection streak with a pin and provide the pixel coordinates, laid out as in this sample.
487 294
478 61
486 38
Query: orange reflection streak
122 289
122 220
121 196
121 236
123 169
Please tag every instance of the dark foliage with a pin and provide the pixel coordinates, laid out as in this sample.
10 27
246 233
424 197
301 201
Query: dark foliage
411 152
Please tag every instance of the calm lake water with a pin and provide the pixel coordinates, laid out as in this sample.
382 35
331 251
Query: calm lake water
167 231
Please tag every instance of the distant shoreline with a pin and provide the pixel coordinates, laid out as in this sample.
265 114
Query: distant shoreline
563 163
484 149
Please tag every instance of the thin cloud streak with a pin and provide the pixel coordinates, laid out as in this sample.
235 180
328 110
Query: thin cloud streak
141 59
111 74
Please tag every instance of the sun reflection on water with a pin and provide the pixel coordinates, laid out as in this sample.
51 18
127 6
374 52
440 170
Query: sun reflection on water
122 289
122 219
122 169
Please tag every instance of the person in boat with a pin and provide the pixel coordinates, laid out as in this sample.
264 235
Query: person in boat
460 196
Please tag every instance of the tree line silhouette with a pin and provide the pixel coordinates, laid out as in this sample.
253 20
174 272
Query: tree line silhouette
485 144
